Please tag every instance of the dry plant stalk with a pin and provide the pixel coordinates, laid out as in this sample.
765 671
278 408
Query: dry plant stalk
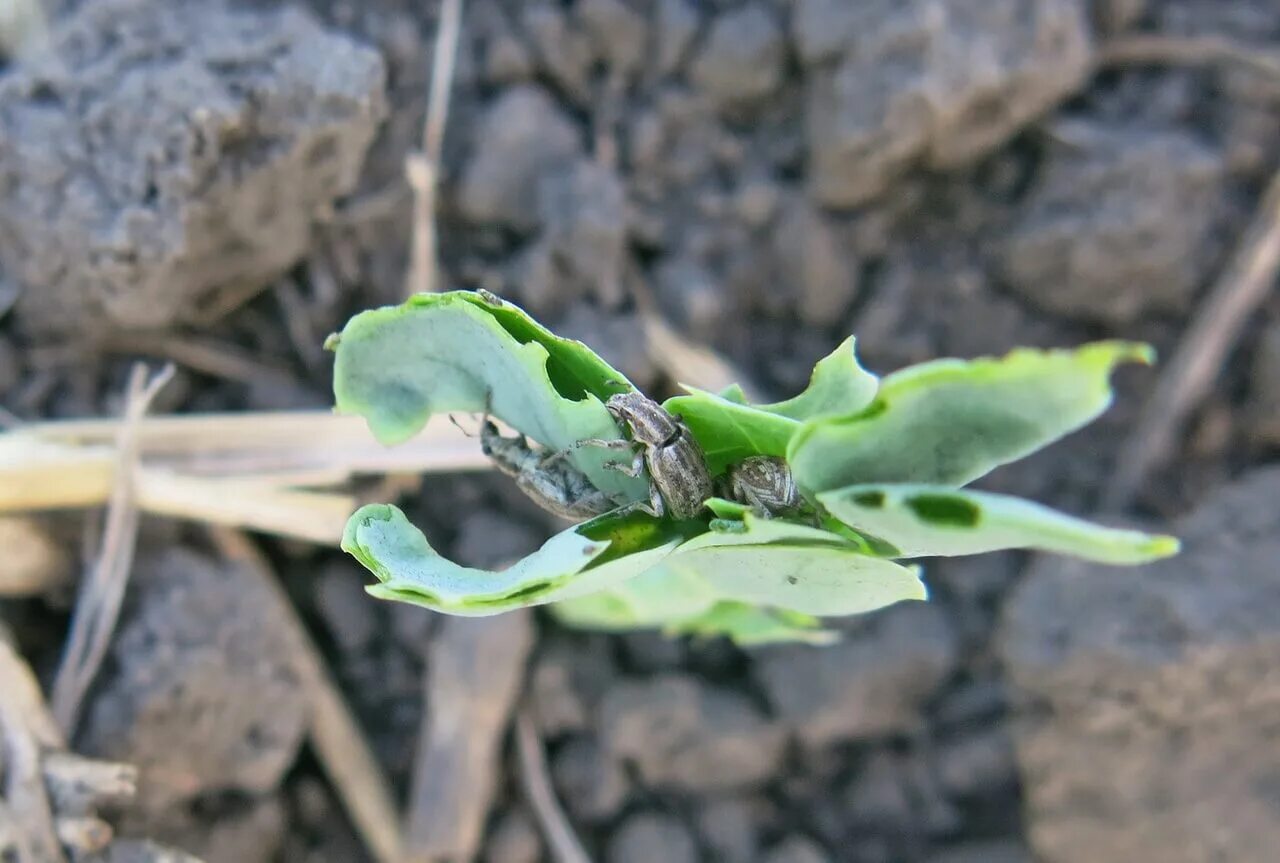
1249 277
563 843
335 734
422 169
261 471
102 591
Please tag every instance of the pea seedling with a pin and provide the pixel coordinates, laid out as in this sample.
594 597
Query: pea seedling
679 481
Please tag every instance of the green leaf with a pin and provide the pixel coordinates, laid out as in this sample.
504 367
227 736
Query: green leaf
950 421
397 366
926 520
572 563
730 430
838 386
769 562
749 626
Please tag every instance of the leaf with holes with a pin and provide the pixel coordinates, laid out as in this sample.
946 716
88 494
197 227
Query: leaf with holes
397 366
928 520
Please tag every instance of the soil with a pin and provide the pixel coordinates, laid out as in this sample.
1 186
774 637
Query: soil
938 177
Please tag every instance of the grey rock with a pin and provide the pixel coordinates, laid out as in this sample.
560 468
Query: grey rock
161 152
10 365
980 764
144 851
567 683
618 338
1111 17
522 137
1160 689
689 736
815 271
247 833
582 209
619 33
676 25
491 539
742 59
871 683
592 786
205 691
514 839
648 837
999 851
342 603
563 49
729 831
1121 224
938 82
796 849
878 798
1262 415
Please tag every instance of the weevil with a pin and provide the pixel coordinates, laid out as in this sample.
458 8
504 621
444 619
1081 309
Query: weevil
765 484
679 481
547 478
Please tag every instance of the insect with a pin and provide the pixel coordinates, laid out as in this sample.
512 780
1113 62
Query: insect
765 484
547 478
679 481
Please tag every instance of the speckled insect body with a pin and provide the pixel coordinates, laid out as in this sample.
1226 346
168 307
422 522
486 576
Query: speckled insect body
549 479
679 481
765 484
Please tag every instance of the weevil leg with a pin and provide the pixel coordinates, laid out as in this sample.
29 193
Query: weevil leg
615 443
633 470
657 506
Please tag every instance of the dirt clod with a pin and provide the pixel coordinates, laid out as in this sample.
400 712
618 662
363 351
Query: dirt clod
871 683
1120 226
1162 689
648 836
688 735
204 694
195 148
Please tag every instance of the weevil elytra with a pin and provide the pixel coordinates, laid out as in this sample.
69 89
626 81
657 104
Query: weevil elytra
765 484
547 478
679 481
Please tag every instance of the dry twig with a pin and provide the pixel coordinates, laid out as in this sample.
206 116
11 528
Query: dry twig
1196 363
423 168
335 734
28 729
475 671
101 593
564 844
253 470
1161 49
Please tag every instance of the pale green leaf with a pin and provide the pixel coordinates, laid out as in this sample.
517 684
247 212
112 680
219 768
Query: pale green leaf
397 366
927 520
731 430
751 626
572 563
950 421
838 386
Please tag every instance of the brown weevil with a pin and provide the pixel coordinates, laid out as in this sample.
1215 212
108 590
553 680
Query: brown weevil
547 478
765 484
679 481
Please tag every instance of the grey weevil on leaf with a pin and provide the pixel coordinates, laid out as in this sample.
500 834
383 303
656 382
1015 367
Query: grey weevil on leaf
679 481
